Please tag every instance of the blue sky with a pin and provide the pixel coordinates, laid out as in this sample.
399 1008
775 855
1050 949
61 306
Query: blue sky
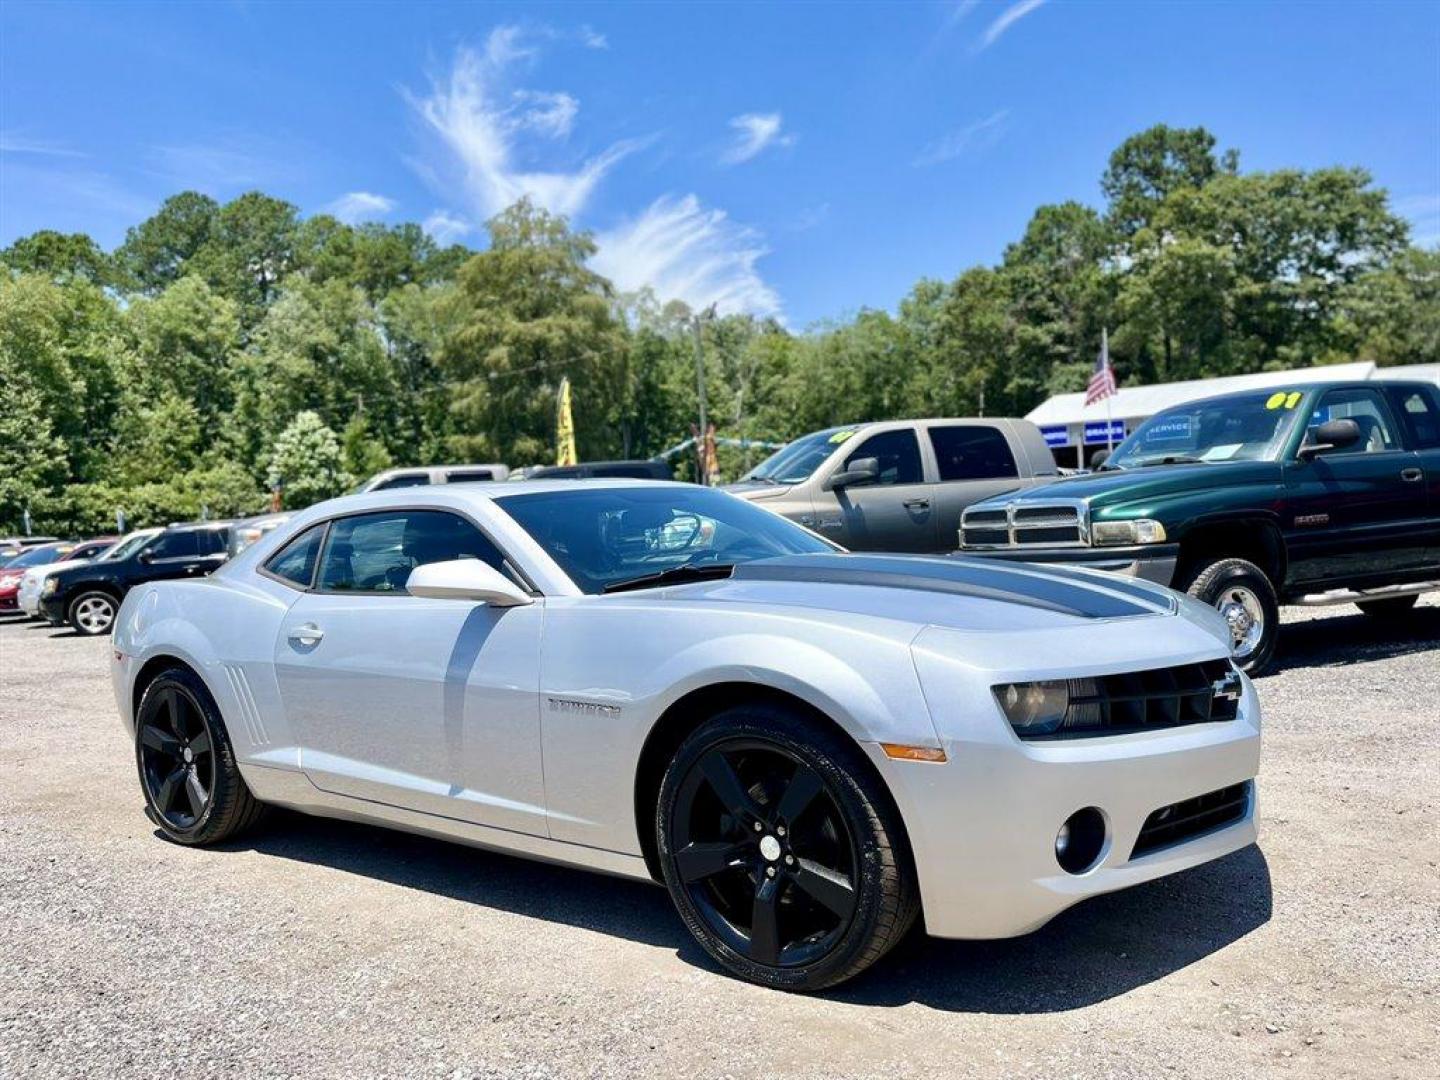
802 160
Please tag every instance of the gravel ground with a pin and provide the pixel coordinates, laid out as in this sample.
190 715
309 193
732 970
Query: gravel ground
325 949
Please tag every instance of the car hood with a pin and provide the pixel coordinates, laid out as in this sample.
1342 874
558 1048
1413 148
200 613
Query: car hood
1156 481
756 489
951 591
50 568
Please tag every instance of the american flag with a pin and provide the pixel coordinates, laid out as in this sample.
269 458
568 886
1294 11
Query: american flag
1102 379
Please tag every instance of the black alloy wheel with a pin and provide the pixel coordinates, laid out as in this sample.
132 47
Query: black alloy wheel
193 788
177 758
783 860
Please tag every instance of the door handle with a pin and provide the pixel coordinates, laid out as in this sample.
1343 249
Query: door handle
916 504
1411 474
306 634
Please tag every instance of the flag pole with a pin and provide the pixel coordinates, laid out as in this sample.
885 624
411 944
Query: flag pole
1109 414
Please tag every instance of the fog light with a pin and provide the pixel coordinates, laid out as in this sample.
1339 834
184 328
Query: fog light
1080 841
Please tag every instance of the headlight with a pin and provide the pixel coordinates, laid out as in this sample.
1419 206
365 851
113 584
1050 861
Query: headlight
1138 531
51 584
1036 708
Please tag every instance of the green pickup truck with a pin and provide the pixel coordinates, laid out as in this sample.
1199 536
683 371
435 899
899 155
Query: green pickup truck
1325 493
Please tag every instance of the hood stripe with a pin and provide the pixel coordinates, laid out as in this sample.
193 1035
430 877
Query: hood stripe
1031 586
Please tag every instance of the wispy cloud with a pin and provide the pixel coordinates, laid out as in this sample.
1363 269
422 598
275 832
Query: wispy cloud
593 39
958 11
976 136
445 228
224 164
754 132
1006 19
1423 213
810 217
684 251
485 127
360 206
13 143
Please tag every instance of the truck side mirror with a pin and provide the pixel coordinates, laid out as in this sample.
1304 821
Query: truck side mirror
861 471
1098 458
1331 435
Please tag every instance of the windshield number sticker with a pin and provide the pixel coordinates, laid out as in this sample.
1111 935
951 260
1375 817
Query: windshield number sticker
1283 399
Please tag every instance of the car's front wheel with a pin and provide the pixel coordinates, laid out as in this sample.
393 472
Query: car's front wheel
1242 593
193 788
786 859
93 613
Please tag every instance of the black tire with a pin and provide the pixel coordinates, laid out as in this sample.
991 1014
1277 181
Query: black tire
93 612
1230 586
193 788
843 891
1394 608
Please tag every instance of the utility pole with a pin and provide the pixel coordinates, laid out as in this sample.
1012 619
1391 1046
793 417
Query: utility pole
695 325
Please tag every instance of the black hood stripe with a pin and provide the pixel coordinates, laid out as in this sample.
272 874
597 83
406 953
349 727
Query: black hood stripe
1031 586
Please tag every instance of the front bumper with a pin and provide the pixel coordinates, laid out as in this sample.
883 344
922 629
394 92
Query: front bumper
1153 562
983 824
52 609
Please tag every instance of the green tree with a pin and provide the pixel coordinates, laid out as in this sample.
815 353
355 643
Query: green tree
305 462
533 312
157 252
61 257
1148 168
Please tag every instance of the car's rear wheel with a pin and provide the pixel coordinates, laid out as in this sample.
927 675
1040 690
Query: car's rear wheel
1393 608
93 613
193 788
1242 593
784 856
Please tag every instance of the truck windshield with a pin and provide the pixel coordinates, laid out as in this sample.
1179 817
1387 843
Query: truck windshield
1240 427
795 461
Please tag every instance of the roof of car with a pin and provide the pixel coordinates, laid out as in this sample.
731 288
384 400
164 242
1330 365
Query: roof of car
1309 387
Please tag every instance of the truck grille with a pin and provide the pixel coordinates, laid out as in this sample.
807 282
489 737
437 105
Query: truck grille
1203 693
1051 525
1190 818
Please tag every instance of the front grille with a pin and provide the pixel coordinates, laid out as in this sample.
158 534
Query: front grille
1057 525
1207 692
1190 818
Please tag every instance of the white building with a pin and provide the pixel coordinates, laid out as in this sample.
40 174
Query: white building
1074 430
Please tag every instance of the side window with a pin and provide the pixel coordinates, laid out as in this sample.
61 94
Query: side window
462 476
174 545
1422 415
295 562
898 453
213 541
376 552
1368 410
972 453
404 480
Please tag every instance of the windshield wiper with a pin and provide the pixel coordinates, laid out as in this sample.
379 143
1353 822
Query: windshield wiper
759 479
1173 459
674 575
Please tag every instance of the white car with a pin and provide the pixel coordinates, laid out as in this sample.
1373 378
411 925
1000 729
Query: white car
808 748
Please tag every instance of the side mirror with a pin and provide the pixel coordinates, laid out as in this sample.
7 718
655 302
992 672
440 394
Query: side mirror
1331 435
146 557
1098 458
861 471
466 579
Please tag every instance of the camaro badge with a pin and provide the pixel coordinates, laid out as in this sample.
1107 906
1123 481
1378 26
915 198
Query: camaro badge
1227 687
588 708
1311 519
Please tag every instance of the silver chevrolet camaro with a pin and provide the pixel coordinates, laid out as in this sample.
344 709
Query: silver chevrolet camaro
811 749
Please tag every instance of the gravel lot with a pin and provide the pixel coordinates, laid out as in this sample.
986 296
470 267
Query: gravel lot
324 949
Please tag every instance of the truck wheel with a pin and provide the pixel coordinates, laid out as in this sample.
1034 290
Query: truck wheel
93 613
1393 608
1242 593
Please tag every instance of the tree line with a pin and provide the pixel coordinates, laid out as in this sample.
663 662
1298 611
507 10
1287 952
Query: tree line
224 350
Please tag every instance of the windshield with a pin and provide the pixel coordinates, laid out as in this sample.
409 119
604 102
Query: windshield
601 537
37 556
128 545
794 462
1241 427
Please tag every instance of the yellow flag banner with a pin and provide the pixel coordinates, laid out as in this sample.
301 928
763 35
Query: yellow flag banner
564 428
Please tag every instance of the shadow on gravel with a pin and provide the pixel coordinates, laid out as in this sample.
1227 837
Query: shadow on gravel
1099 949
1103 947
1341 640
